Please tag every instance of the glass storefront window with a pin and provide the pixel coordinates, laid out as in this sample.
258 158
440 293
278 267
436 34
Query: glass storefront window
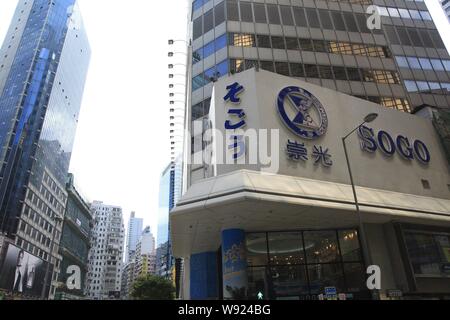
300 264
325 275
257 249
349 244
289 281
286 248
321 246
429 253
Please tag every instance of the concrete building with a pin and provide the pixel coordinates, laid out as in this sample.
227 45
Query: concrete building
41 79
75 239
134 232
105 256
288 228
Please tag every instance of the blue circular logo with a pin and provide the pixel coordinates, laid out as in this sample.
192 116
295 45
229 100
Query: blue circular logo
302 112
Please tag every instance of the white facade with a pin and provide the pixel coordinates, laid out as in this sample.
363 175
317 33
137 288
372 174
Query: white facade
134 232
105 256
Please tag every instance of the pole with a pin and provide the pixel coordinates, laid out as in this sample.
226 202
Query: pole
365 246
47 269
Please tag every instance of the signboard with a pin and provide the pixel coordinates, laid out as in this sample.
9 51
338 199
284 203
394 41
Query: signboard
394 293
330 291
23 273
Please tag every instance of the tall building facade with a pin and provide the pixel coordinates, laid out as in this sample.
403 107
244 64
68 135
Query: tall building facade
312 70
402 65
134 232
106 254
446 6
75 239
43 66
141 263
164 259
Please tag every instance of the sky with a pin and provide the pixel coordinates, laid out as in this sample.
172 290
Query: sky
122 143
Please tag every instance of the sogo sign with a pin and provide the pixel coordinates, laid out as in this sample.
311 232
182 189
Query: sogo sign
406 148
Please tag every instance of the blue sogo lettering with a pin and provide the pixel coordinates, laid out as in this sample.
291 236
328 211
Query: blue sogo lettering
388 146
404 148
422 153
386 143
368 143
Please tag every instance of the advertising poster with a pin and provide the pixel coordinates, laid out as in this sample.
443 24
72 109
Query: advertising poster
23 273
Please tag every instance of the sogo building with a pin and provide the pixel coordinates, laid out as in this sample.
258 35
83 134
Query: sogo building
291 234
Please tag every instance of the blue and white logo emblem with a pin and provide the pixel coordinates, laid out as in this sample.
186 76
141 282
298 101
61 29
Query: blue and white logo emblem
302 112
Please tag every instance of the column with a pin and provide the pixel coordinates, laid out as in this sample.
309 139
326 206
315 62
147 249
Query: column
234 264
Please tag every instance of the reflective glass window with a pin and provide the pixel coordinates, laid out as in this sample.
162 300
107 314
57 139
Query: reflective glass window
267 65
353 74
299 16
297 70
256 245
403 35
219 13
410 86
311 71
246 12
326 20
350 21
404 13
325 275
339 73
413 62
208 21
426 15
423 85
313 18
426 38
232 11
292 43
286 15
392 35
263 41
349 244
437 64
260 13
197 27
222 69
289 281
338 21
326 72
197 82
197 56
286 248
306 44
273 14
415 14
209 75
321 246
208 49
425 63
415 38
446 64
278 43
402 62
197 4
282 68
393 12
221 42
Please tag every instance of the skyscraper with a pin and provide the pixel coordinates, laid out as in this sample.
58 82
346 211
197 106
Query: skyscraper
402 65
134 232
43 66
164 260
106 253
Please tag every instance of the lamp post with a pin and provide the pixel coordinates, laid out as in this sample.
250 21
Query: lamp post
365 247
47 268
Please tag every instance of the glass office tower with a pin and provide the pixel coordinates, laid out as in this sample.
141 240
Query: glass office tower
403 65
43 67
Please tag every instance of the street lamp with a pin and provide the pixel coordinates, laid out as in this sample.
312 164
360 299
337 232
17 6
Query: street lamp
366 253
57 219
